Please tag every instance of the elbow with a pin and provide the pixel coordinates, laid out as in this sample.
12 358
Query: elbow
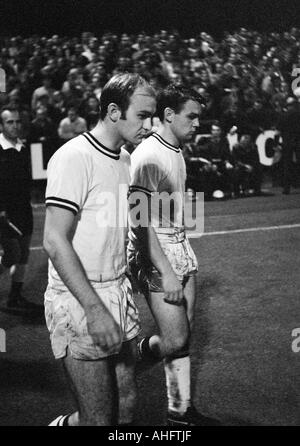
49 244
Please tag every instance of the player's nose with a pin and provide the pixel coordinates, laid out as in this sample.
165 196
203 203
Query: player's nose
147 124
196 122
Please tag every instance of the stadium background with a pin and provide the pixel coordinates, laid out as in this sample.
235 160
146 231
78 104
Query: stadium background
71 17
244 371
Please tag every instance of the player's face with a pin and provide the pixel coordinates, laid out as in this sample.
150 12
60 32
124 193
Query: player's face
186 122
138 117
11 125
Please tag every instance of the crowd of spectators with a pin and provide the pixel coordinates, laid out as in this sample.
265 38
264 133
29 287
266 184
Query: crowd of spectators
246 77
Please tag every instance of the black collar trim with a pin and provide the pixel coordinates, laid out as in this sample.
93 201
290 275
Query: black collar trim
100 147
165 143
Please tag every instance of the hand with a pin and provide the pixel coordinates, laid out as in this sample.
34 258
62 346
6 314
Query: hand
102 328
172 288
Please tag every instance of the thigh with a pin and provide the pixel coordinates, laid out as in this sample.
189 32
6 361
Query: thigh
190 298
125 362
171 319
94 385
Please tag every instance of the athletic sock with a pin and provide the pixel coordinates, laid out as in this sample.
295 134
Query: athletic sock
178 382
145 350
65 421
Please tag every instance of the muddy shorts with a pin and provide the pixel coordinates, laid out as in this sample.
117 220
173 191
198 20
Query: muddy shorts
177 249
66 320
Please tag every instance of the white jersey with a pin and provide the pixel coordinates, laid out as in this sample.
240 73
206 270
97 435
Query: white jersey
92 182
158 166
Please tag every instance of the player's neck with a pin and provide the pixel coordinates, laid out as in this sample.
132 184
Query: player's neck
168 136
107 137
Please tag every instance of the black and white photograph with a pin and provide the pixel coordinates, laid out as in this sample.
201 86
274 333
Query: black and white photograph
150 215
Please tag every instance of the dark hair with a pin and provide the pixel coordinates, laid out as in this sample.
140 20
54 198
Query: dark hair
175 96
72 106
119 90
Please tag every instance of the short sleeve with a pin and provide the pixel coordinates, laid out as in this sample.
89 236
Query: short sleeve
146 174
68 180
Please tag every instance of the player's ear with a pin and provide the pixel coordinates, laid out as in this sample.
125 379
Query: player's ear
168 114
113 112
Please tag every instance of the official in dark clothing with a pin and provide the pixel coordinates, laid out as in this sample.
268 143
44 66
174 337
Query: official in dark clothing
247 168
16 222
217 165
289 126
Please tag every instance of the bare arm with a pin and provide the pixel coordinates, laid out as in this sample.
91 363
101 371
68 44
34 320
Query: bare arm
57 243
171 285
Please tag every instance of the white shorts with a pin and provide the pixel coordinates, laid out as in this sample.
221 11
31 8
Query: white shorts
178 251
66 320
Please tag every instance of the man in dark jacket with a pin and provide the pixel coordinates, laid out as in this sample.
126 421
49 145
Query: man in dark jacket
247 167
16 222
289 126
217 164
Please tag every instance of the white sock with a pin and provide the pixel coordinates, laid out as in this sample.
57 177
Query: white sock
178 381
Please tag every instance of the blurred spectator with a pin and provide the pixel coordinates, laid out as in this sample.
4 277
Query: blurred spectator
90 112
43 130
234 117
245 75
290 132
42 127
59 109
45 90
72 125
217 164
247 169
73 87
260 118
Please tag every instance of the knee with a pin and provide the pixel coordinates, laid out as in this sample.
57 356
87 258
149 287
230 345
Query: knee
177 344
